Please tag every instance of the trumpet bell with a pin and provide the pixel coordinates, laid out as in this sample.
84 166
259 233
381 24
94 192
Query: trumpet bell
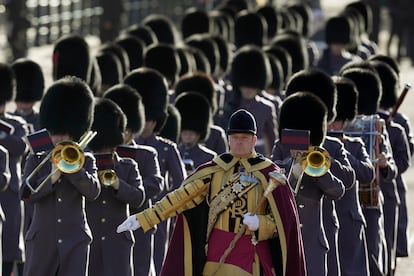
316 162
107 177
68 157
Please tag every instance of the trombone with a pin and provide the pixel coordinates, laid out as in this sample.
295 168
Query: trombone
67 156
314 162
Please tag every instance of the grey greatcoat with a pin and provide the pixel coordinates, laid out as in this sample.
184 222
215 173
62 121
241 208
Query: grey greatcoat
4 183
13 247
58 239
352 244
111 253
309 199
342 169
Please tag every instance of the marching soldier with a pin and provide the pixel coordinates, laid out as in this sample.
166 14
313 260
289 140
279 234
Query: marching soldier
66 112
121 186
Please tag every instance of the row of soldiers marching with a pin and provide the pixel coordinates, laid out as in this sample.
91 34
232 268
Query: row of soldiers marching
120 129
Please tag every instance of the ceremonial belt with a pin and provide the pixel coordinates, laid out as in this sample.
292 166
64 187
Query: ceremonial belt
234 189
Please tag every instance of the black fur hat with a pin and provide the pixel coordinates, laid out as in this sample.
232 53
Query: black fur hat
195 21
195 113
201 83
67 107
365 11
201 61
285 59
130 101
152 86
134 47
251 68
272 17
369 88
111 69
68 49
295 45
165 59
388 60
347 104
163 27
303 10
304 111
109 122
338 30
249 28
172 127
318 83
142 32
30 82
224 54
187 60
389 83
120 52
208 46
7 84
241 121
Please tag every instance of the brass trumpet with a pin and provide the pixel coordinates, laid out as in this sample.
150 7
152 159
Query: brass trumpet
315 162
67 156
107 177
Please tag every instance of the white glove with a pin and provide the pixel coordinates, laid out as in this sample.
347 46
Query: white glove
252 222
131 223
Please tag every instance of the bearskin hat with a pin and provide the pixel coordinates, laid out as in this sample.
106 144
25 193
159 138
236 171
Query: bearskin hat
201 83
285 59
7 83
304 111
68 49
152 86
296 47
249 28
111 69
241 121
109 122
142 32
347 95
304 11
164 58
30 82
67 107
208 46
172 127
369 89
272 17
388 60
195 113
134 47
338 30
389 83
163 27
224 53
317 82
201 61
120 52
365 11
195 21
187 60
130 101
251 68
